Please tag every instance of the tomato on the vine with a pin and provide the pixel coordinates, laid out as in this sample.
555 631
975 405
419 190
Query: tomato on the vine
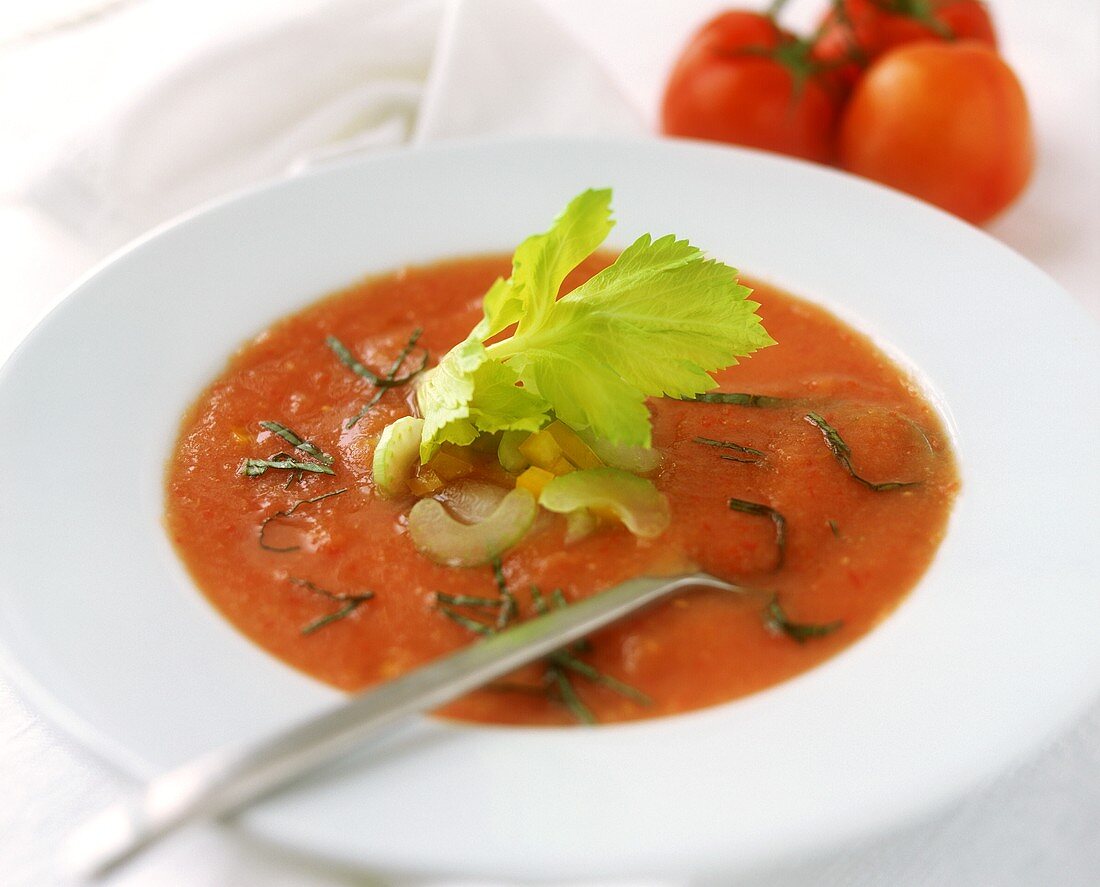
947 122
743 79
856 32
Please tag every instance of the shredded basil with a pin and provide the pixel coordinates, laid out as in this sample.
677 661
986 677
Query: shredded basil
730 445
287 513
740 399
775 517
388 379
571 662
843 454
467 600
775 618
541 609
569 696
559 665
466 622
382 381
256 467
351 602
508 607
297 442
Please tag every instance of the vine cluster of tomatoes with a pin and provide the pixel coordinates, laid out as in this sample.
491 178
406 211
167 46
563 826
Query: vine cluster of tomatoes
911 93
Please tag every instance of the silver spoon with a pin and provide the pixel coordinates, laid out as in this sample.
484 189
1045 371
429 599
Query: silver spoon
227 780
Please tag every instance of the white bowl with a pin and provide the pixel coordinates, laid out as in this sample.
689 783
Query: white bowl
991 654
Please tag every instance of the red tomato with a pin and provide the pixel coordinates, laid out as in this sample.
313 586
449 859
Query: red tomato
862 30
947 122
744 80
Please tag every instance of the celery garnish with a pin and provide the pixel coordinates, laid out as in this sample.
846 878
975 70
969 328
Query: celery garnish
655 323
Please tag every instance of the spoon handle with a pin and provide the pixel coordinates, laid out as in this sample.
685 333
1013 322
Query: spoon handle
228 779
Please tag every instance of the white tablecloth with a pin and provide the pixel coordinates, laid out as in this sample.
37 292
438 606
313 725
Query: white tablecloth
1035 825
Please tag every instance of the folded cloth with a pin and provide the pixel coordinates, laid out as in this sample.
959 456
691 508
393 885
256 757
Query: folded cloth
307 84
237 108
506 67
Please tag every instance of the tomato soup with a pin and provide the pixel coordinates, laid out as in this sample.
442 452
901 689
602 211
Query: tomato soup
825 497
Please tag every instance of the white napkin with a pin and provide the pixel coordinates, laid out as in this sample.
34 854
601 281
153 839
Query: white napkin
485 81
296 88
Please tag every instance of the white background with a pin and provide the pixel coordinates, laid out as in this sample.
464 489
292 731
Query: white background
1035 825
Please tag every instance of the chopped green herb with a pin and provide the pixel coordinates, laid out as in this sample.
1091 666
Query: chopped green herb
584 645
558 663
294 474
740 399
388 379
833 526
538 601
775 618
287 513
467 600
466 622
367 407
317 624
776 518
729 445
351 603
402 356
296 441
256 467
569 696
385 381
571 662
508 607
558 597
344 355
843 454
505 605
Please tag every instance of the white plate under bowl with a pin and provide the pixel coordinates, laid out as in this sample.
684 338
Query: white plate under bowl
993 652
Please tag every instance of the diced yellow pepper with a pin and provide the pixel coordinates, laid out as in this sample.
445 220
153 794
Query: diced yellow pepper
575 449
450 463
561 466
424 482
541 449
533 480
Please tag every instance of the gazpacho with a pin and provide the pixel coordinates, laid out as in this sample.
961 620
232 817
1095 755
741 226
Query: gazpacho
433 454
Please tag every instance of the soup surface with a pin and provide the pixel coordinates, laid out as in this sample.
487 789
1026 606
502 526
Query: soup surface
825 553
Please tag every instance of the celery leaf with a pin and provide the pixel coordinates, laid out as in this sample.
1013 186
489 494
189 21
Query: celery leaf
542 261
655 323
